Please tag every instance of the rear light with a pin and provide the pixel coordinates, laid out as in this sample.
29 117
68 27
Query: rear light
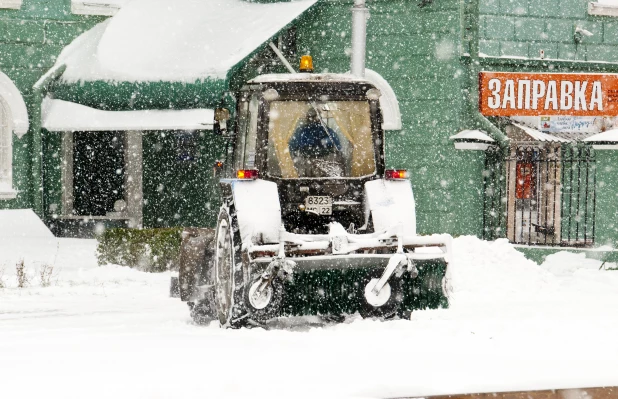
250 174
395 174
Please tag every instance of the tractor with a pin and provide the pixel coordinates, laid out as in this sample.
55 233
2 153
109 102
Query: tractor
311 221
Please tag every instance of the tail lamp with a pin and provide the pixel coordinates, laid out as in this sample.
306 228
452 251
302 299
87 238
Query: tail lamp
395 174
247 174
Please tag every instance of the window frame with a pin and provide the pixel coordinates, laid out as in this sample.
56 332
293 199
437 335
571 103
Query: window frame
11 4
93 7
604 10
7 161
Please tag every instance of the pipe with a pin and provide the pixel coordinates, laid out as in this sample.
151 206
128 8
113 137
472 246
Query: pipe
281 57
360 13
477 120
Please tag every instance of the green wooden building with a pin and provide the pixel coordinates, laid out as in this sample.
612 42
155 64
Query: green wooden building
106 108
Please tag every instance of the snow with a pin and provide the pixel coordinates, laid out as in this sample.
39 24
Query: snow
116 3
19 112
306 77
22 223
607 136
472 135
258 209
391 114
391 204
538 135
111 331
183 41
65 116
6 190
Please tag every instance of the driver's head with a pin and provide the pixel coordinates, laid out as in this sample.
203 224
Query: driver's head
312 115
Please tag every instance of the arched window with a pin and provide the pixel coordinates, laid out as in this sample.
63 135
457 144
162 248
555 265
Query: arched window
6 152
13 121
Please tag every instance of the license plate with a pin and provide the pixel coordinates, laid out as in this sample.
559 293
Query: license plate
322 205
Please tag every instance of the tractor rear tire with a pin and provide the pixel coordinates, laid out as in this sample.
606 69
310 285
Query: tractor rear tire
204 310
228 271
196 262
390 308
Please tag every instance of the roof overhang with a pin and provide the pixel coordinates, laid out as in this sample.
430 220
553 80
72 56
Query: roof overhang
64 116
472 140
537 135
607 140
144 41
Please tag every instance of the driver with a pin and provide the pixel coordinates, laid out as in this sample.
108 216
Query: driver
315 148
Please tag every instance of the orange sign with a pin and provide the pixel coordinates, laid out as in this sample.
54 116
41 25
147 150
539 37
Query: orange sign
531 94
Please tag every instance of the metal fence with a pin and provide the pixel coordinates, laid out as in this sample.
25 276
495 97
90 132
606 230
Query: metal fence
541 195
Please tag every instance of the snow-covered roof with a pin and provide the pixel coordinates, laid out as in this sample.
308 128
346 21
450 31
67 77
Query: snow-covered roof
472 135
97 7
65 116
540 136
180 41
306 77
388 101
610 136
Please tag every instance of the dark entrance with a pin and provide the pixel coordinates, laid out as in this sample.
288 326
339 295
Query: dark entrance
98 172
541 194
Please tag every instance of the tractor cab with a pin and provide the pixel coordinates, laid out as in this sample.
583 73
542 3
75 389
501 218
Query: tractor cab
319 137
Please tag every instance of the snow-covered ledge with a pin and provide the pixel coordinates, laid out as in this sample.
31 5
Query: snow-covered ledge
7 193
603 8
472 140
14 4
607 140
96 7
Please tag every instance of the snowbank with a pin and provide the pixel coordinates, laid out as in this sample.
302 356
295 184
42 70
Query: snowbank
22 223
110 331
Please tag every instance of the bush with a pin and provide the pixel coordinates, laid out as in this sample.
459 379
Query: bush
150 250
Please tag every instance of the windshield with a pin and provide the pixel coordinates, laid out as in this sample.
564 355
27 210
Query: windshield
320 139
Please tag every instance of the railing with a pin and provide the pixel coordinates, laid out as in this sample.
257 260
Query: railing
541 195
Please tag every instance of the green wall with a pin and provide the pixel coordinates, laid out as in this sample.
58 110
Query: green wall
606 224
523 27
418 51
422 51
30 41
180 192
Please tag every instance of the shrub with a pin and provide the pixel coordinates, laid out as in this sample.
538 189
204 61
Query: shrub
46 273
151 250
1 276
22 275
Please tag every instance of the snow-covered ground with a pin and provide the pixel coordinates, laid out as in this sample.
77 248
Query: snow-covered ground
110 331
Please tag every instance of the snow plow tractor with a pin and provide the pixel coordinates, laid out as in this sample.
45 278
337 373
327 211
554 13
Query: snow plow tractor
311 222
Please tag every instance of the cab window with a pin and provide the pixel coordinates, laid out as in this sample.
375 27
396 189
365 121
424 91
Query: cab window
247 133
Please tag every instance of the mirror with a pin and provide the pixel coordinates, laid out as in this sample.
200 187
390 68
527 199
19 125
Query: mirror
217 169
222 115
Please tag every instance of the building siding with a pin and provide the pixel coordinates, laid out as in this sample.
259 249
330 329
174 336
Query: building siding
522 28
31 39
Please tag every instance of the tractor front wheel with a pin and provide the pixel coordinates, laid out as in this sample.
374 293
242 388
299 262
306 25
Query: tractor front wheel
386 303
267 304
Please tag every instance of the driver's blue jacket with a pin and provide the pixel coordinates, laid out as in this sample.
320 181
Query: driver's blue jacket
312 140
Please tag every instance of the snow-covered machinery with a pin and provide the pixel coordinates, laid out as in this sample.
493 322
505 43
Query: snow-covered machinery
311 221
